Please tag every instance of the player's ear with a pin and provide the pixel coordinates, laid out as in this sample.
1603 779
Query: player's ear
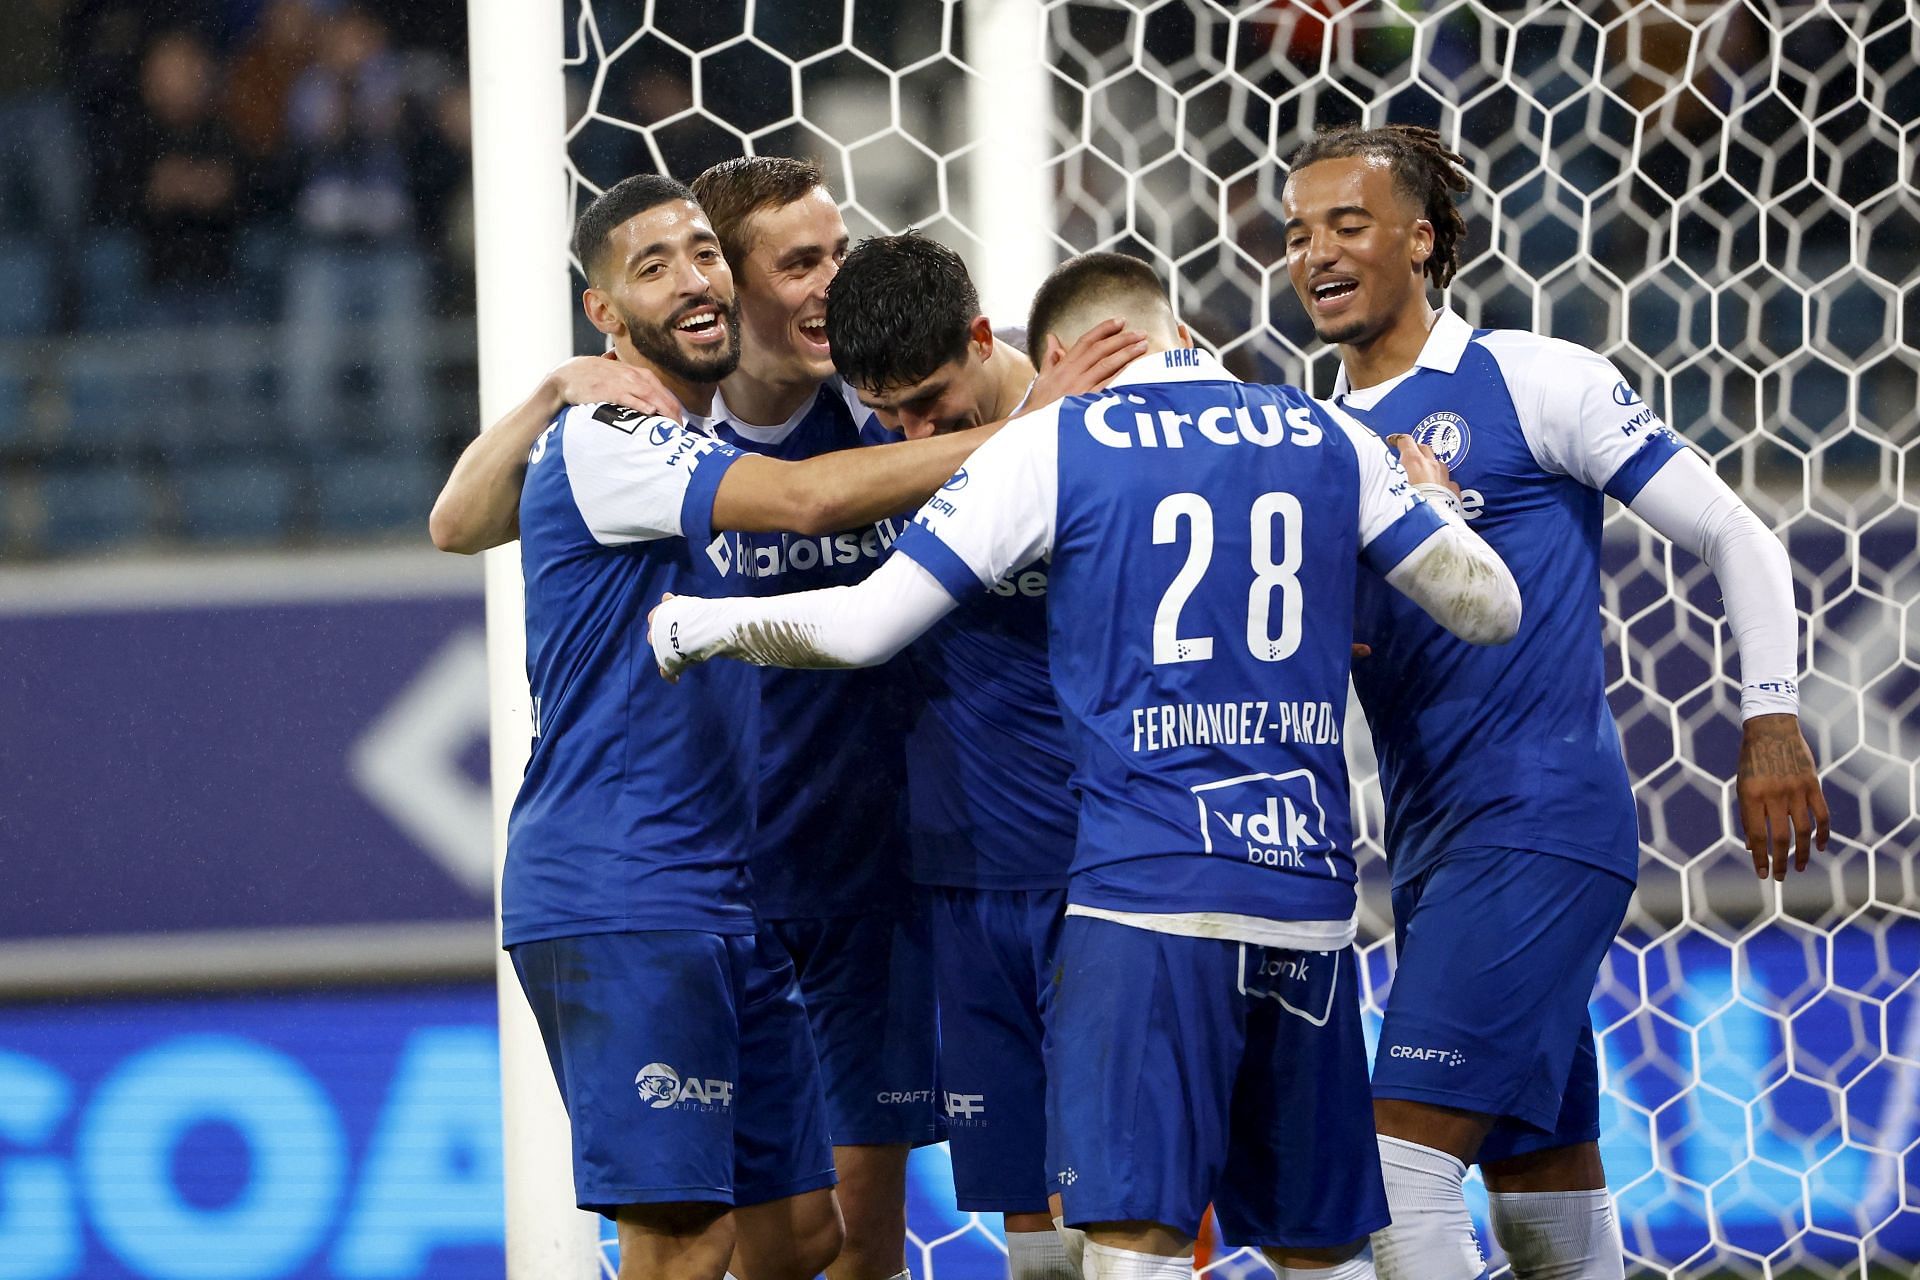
1054 353
600 313
1184 334
1422 243
980 334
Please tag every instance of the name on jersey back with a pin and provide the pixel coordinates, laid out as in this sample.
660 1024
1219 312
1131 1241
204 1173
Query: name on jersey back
1234 724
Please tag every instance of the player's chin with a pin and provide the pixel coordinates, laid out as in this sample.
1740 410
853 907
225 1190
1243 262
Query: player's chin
1341 331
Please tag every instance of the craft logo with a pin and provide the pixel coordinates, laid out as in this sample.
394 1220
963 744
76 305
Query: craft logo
1416 1053
1446 434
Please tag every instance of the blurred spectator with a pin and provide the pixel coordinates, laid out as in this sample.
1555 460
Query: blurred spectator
441 163
357 261
275 54
42 167
186 174
39 161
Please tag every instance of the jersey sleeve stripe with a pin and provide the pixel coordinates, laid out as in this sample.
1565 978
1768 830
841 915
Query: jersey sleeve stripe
1633 474
921 545
696 504
1397 541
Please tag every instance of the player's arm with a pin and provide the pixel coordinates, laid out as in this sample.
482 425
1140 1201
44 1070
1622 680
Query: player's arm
1584 420
1777 785
858 486
479 507
1413 534
991 517
840 490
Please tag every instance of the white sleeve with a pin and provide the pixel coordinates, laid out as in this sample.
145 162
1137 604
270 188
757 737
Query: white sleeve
1394 519
1581 418
857 626
1691 505
1458 580
997 512
635 477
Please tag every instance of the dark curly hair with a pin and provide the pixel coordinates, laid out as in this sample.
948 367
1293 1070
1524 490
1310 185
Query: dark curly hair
900 308
1423 170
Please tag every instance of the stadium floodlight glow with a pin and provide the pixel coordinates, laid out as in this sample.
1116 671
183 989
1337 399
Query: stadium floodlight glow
1721 198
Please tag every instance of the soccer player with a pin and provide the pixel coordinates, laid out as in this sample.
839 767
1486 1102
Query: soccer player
990 780
673 1021
1205 1040
829 851
1510 825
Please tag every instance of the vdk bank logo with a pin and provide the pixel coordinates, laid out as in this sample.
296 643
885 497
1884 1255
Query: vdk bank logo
1274 819
661 1086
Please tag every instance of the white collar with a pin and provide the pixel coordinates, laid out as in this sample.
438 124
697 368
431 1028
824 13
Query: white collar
1446 343
1182 364
757 434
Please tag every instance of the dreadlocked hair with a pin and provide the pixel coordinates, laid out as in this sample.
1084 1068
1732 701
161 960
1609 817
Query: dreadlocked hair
1423 171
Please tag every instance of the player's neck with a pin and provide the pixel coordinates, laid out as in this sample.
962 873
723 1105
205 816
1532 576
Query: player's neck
697 397
1012 375
1391 352
763 402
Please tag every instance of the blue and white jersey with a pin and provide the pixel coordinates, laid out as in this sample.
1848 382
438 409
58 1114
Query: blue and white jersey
831 837
1511 746
989 773
1204 536
637 804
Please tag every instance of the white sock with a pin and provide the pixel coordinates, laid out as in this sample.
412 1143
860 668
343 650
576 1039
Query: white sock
1074 1242
1559 1235
1038 1255
1431 1236
1358 1267
1106 1263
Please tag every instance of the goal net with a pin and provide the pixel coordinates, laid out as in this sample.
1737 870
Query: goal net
1720 197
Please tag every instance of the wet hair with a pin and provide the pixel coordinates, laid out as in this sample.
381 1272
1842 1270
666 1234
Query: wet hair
1424 171
1119 279
623 200
734 190
901 307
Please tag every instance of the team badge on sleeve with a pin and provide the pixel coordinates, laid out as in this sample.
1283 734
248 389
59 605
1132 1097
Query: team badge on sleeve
1446 434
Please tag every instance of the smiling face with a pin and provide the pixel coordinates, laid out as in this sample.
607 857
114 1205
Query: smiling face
663 292
959 394
1355 247
794 252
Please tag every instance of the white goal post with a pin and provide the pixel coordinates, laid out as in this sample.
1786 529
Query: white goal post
1721 197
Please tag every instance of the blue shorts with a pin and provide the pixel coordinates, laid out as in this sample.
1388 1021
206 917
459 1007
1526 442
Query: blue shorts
685 1064
867 982
1498 952
993 955
1184 1071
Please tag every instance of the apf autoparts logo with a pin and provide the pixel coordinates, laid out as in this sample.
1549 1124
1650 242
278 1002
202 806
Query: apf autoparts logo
967 1110
1445 433
662 1087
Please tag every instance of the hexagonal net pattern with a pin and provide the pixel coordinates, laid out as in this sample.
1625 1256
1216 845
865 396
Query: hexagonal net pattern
1721 198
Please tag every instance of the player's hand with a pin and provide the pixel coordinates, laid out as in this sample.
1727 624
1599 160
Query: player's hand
605 380
1096 356
660 636
1361 651
1423 467
1779 794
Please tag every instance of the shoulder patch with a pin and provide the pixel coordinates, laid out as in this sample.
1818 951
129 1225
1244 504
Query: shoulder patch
619 417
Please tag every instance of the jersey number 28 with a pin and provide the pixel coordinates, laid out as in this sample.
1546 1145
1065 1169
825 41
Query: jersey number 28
1270 575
